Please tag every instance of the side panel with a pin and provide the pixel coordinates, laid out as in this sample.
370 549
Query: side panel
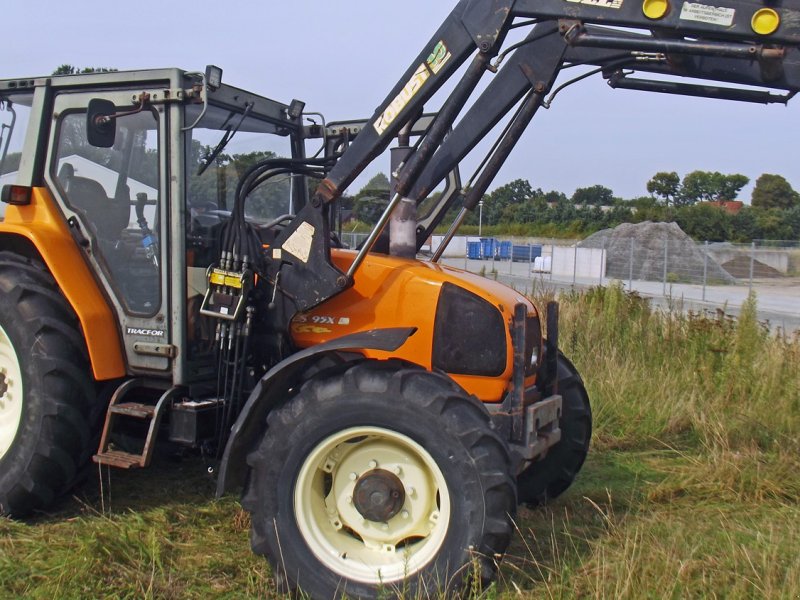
393 292
42 224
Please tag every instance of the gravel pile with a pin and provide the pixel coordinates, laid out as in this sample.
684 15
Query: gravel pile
686 261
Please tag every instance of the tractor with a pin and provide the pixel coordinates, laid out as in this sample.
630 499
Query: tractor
172 272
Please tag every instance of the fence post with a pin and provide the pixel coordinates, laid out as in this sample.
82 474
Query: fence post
552 258
530 260
602 262
666 258
752 263
574 264
630 272
705 270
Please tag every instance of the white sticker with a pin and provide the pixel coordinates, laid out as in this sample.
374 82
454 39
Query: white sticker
615 4
702 13
276 254
299 243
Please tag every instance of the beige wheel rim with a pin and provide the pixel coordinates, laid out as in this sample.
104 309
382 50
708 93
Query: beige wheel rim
10 393
339 535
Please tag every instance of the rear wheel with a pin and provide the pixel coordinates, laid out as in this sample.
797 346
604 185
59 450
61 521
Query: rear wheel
550 477
380 479
45 389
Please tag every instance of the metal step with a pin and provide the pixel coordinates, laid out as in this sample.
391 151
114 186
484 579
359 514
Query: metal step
148 412
119 459
134 409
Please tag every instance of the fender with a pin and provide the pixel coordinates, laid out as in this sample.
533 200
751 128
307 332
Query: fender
252 419
41 224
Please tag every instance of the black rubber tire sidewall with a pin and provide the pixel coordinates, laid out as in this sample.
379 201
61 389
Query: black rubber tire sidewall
550 477
468 499
53 434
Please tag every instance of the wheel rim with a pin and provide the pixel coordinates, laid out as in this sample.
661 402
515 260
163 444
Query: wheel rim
340 536
10 393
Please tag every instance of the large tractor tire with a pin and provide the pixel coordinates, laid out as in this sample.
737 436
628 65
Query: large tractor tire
550 477
46 391
377 480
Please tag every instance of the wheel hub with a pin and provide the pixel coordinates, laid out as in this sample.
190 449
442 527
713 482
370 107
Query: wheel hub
379 495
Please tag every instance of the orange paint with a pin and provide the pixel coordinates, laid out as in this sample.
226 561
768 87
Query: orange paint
394 292
42 224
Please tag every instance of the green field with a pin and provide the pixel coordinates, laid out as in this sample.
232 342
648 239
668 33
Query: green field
692 488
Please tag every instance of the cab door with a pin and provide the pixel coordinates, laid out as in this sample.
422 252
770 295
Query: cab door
115 201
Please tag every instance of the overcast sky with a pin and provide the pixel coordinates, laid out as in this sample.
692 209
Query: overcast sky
343 57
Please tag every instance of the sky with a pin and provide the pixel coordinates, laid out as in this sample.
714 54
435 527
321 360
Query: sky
343 57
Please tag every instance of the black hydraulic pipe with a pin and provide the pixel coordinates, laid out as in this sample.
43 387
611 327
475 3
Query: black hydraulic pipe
667 46
529 107
700 91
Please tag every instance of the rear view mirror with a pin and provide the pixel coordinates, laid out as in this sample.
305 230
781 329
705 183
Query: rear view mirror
101 126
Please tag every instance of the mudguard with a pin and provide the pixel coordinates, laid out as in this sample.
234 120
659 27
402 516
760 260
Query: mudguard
252 419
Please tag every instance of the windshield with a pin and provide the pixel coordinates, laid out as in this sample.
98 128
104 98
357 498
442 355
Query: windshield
249 140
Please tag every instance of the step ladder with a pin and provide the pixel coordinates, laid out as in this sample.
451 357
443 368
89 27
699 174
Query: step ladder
106 455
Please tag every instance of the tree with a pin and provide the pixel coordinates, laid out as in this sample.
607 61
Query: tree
773 191
710 186
704 222
596 195
496 204
665 186
67 69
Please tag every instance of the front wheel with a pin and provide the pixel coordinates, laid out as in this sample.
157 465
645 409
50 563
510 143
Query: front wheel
550 477
379 479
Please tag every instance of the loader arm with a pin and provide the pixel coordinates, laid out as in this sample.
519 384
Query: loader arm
742 42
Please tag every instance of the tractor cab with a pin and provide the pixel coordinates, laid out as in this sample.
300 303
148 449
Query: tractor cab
144 166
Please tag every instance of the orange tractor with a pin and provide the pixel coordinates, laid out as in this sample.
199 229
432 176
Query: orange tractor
384 415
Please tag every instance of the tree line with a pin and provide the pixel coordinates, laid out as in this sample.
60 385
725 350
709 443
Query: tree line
519 209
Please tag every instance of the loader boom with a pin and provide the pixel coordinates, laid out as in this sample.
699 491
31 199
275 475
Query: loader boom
741 43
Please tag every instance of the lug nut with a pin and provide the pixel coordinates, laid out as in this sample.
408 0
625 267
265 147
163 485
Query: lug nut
353 476
373 464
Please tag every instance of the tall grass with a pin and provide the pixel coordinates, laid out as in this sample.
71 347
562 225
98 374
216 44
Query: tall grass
693 487
691 490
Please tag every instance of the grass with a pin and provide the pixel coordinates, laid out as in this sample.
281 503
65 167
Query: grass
691 489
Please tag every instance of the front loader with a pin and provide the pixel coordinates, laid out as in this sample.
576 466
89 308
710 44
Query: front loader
171 274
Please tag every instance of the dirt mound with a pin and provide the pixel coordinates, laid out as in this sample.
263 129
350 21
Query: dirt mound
740 268
639 251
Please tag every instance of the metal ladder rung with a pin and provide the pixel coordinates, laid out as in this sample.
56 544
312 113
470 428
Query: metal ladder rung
134 409
119 459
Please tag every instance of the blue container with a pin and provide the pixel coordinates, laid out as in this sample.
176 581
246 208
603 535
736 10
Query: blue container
474 250
526 252
488 248
505 250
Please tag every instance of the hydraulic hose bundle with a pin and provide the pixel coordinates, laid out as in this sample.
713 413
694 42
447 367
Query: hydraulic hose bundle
242 261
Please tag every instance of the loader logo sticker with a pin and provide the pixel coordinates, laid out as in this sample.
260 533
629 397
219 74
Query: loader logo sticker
435 62
615 4
145 332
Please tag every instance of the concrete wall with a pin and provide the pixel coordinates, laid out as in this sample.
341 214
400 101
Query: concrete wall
777 259
457 248
583 262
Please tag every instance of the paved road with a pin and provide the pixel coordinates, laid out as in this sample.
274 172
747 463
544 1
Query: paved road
778 299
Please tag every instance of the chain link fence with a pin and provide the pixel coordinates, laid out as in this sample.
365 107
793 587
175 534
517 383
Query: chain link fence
672 270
